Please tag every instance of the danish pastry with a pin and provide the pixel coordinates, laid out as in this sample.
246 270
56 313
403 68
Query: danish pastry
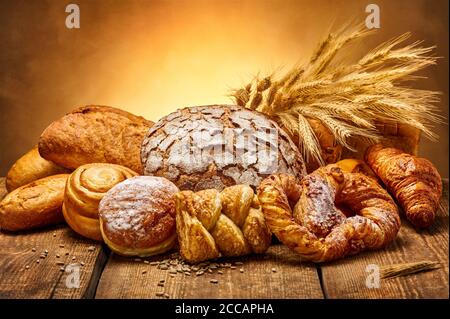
31 167
319 231
34 205
413 181
85 188
211 224
137 216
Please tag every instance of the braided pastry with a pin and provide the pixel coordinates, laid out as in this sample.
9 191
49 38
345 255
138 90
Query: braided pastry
320 231
413 181
85 188
211 224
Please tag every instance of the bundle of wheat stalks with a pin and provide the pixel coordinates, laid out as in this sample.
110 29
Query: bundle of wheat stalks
347 98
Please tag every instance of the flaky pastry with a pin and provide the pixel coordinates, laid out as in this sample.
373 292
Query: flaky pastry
211 224
306 216
413 181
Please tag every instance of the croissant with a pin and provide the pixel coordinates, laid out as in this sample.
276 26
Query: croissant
211 224
413 181
317 228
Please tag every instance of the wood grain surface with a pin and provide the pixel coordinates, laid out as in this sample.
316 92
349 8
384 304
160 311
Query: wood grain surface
347 278
277 274
21 276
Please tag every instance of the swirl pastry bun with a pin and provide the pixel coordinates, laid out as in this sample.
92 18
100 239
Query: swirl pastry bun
85 188
34 205
137 216
30 167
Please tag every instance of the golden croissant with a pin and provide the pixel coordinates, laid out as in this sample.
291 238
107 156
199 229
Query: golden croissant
211 224
330 214
413 181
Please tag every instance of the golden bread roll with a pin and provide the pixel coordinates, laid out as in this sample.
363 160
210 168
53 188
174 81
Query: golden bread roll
31 167
137 216
95 134
34 205
85 188
392 134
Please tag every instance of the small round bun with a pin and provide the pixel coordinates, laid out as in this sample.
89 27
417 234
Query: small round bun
137 216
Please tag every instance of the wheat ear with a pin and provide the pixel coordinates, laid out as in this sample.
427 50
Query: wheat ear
347 97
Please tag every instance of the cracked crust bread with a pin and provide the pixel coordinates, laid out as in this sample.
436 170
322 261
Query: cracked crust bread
217 146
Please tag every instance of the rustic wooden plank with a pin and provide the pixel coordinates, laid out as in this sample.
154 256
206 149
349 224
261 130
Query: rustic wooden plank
347 278
45 279
278 274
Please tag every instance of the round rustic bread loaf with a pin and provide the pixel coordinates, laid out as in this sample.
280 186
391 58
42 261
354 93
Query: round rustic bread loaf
217 146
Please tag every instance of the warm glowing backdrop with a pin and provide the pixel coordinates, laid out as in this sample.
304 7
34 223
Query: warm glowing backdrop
151 57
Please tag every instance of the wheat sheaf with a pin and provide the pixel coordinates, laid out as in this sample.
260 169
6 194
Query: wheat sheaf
347 97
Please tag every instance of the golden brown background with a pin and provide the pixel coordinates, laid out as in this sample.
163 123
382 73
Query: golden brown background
151 57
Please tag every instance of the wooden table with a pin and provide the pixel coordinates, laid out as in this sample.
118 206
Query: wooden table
28 271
